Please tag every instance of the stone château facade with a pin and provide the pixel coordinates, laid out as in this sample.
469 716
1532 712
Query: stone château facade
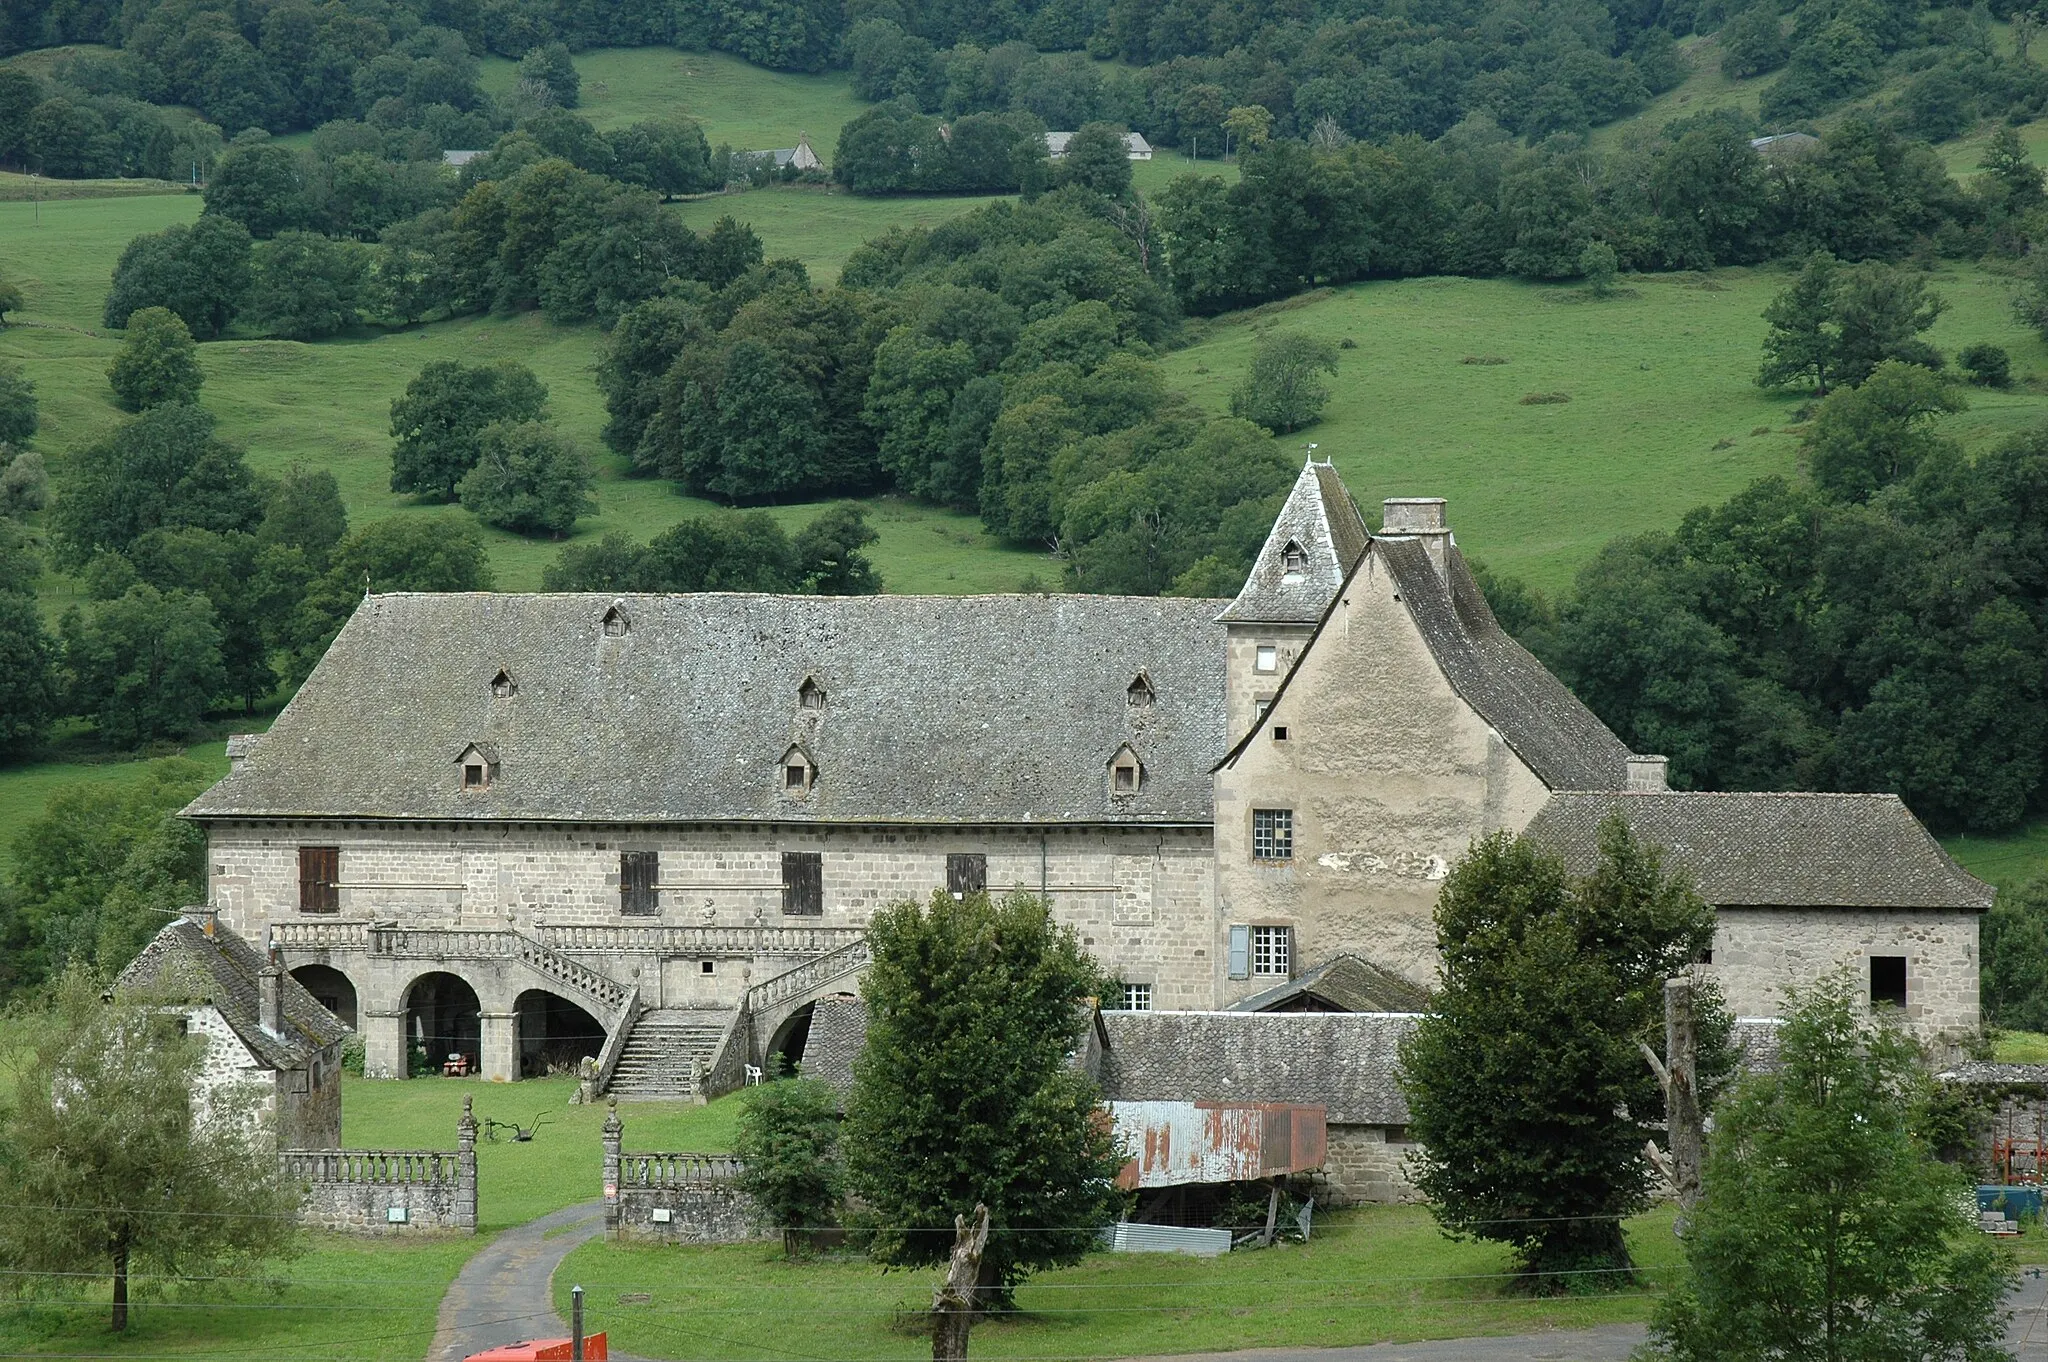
510 831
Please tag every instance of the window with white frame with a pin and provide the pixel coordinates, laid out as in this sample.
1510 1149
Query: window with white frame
1137 997
1272 834
1266 658
1272 952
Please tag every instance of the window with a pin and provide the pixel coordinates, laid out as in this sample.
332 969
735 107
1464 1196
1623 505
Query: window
319 879
1279 732
803 883
1272 952
1262 705
639 873
502 685
707 967
1272 834
966 873
798 772
1888 980
794 775
1126 779
474 776
1293 562
1137 997
1140 692
1397 1135
615 621
810 695
1267 658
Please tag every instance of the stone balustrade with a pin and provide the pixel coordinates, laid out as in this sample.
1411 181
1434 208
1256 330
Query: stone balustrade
696 942
389 1191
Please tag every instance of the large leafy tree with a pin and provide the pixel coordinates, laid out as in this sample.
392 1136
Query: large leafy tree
529 478
306 286
113 1168
1835 324
200 272
163 470
144 667
788 1142
2015 946
1283 390
18 418
28 658
1524 1081
401 553
964 1094
437 422
158 363
1827 1229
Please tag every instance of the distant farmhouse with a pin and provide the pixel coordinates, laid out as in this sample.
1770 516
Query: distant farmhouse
798 157
1135 146
459 159
652 829
1784 144
265 1034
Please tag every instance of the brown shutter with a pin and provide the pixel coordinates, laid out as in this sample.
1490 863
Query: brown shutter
966 873
803 883
639 873
319 879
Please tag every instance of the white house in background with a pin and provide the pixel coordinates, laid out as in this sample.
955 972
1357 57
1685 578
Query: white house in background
458 159
800 156
1135 145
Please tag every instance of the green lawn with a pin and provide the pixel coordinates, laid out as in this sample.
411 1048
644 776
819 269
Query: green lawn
24 790
1369 1275
1664 415
820 226
2009 860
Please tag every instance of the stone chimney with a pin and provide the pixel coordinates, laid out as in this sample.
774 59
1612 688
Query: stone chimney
1646 775
240 745
1418 518
207 919
270 995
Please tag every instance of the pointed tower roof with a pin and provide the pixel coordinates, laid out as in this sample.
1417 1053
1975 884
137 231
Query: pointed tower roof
1317 540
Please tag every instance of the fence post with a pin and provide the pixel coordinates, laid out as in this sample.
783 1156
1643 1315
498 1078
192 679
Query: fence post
465 1168
614 1132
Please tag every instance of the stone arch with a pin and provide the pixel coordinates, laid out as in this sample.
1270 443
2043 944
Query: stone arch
442 1018
554 1033
332 989
791 1034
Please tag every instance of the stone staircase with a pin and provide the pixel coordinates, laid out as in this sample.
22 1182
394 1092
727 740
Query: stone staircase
664 1052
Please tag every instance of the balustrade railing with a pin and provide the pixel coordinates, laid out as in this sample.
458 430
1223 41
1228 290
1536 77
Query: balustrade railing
811 974
334 935
465 943
658 939
677 1170
373 1167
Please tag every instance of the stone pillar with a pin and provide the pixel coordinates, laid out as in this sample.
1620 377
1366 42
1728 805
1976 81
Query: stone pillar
500 1058
383 1044
614 1132
465 1169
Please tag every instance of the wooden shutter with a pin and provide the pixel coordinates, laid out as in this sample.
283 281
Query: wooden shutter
639 872
1240 952
803 883
319 879
966 873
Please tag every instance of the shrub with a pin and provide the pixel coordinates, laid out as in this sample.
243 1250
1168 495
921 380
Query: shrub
1283 392
1544 399
1987 365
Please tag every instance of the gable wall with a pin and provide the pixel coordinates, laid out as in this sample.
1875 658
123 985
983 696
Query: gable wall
1761 952
1390 776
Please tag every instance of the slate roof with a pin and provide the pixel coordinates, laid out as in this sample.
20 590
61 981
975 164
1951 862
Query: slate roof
1776 850
1344 984
1348 1061
183 964
1992 1074
1321 517
839 1031
988 709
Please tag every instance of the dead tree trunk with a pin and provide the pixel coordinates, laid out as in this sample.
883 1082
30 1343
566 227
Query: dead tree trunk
120 1322
1678 1073
954 1303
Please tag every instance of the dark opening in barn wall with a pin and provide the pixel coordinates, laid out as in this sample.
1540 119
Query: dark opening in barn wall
442 1020
555 1035
331 989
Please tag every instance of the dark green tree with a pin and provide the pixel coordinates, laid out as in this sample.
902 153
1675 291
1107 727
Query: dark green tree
158 364
722 553
614 563
306 287
727 251
634 361
144 667
223 568
1283 390
2013 179
28 675
260 184
436 422
668 156
1805 340
1881 311
17 405
788 1143
983 1001
304 511
2015 969
1524 1082
1098 160
829 557
117 1170
163 470
24 485
1754 42
529 478
10 299
1827 1228
1988 366
200 272
1868 437
398 553
550 68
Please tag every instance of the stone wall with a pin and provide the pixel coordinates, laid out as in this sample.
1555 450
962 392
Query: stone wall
1759 951
354 1191
1365 1165
675 1198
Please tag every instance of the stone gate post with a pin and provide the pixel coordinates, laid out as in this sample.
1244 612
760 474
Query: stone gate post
465 1168
614 1133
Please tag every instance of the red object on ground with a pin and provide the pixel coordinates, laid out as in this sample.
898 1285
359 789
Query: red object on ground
543 1350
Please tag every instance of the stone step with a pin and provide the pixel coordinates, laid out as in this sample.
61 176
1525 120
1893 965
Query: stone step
662 1055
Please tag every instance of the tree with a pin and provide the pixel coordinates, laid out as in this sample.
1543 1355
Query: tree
1524 1083
1987 365
529 478
614 563
261 185
1754 42
306 287
163 470
550 69
158 364
1098 160
437 421
24 485
17 405
1282 391
10 299
112 1168
1869 437
1881 310
96 871
1251 125
1828 1229
28 681
304 512
399 553
1804 341
2016 958
788 1145
829 561
200 272
145 667
1598 264
982 1001
2014 179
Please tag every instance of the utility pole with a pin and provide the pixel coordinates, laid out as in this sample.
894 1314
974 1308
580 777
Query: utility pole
576 1323
35 191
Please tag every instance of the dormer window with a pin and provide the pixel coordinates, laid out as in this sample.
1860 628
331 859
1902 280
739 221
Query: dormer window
1126 773
810 695
1140 693
502 685
1293 562
799 772
615 621
476 767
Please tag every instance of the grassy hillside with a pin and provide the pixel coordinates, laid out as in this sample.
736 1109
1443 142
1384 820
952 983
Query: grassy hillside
1662 414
